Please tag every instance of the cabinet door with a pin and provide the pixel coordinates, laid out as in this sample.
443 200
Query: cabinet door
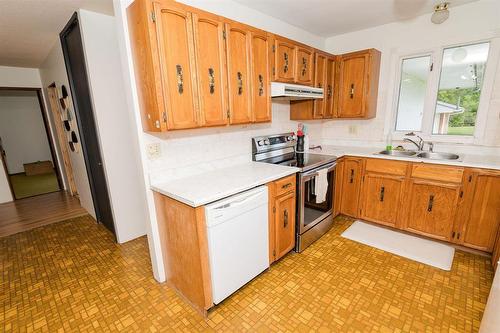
284 54
351 182
211 68
305 65
176 52
381 198
261 98
285 224
238 64
352 85
431 208
481 227
330 88
320 81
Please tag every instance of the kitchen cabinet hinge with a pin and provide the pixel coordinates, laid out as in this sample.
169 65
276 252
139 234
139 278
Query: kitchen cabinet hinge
461 194
153 16
164 116
470 179
432 67
274 253
274 71
274 48
228 115
224 34
274 209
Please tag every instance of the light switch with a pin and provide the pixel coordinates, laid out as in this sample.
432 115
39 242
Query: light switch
153 150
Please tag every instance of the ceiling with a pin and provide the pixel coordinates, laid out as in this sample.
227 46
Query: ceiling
29 28
332 17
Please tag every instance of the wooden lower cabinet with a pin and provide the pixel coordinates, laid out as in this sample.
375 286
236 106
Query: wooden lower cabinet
431 208
337 198
482 211
351 184
282 205
381 198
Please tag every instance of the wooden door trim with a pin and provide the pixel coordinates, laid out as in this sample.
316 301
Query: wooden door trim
61 135
46 126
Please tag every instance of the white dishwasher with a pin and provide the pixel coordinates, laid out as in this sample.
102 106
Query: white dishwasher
238 245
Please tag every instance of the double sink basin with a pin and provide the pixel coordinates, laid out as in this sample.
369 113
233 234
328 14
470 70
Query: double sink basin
420 154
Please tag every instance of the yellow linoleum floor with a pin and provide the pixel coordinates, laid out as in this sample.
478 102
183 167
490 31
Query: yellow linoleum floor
70 276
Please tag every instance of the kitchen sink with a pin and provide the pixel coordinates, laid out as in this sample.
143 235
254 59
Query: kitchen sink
402 153
438 156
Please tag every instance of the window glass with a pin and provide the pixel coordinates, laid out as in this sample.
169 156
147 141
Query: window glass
412 93
460 84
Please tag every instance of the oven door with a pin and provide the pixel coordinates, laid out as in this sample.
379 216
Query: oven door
310 209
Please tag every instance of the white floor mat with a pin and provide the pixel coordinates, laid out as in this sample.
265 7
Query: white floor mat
411 247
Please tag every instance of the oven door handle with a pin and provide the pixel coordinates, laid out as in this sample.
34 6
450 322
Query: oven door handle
314 173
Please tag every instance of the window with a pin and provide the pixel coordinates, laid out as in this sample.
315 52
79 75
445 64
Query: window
443 98
460 83
412 93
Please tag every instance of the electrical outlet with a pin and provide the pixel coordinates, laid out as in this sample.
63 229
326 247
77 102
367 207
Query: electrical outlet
353 129
153 150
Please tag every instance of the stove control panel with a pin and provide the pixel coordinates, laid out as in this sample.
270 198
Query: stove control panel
268 143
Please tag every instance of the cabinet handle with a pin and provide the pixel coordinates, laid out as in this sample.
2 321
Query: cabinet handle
180 79
329 91
261 85
458 236
382 192
211 80
352 91
304 66
286 185
240 83
351 180
285 218
453 234
431 202
285 68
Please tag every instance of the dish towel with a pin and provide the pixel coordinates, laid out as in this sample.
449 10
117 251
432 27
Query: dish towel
321 185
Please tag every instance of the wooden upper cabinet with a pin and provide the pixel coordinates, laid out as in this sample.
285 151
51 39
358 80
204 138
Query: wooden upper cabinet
320 81
358 84
210 68
483 219
177 63
238 39
261 78
351 184
305 65
330 88
285 60
431 208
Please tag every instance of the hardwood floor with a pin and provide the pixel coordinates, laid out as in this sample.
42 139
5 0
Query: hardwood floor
29 213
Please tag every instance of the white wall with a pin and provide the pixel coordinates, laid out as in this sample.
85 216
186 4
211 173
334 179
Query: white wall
22 130
53 70
18 77
119 143
189 151
472 22
5 194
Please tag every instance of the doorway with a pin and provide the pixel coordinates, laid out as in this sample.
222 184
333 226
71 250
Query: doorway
74 59
26 145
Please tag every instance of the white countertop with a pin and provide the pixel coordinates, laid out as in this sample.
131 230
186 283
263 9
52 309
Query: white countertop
217 184
466 160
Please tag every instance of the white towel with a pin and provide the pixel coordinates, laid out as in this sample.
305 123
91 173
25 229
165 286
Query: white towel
321 185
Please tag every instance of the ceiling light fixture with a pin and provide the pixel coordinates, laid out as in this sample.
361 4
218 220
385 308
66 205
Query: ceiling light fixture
441 13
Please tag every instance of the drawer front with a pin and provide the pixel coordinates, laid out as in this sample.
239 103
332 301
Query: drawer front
442 173
397 168
285 185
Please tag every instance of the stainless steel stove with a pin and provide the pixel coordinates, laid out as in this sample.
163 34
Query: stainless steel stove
314 210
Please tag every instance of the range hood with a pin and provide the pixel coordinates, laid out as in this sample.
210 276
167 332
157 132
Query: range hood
293 92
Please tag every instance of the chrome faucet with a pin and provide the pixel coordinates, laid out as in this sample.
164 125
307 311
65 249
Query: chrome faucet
419 145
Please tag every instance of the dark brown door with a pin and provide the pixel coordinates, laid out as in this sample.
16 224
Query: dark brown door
74 58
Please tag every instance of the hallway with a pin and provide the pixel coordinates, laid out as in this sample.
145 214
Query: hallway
29 213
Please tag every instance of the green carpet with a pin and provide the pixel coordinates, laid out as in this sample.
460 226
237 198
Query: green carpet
28 186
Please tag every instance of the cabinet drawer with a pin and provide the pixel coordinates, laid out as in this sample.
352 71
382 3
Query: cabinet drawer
285 185
388 167
442 173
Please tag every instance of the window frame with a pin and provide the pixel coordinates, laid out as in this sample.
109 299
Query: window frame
436 57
